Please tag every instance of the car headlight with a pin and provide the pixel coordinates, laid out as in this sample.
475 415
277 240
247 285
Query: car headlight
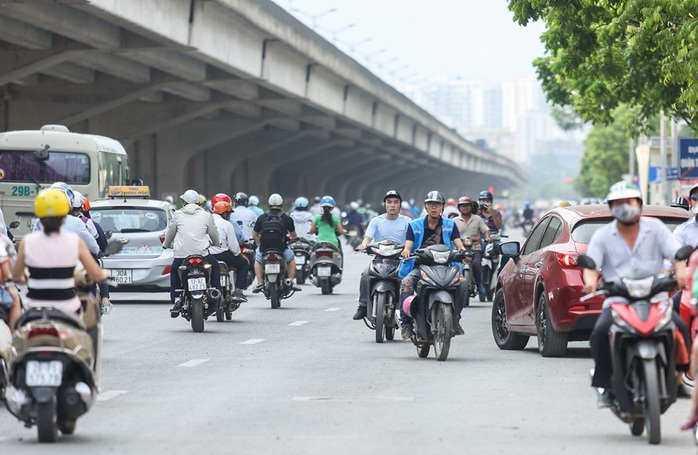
638 289
441 257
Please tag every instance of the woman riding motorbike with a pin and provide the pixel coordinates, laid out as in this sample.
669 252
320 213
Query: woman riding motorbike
327 225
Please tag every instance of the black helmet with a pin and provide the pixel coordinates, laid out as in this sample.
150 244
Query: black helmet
392 193
241 199
680 202
485 195
435 196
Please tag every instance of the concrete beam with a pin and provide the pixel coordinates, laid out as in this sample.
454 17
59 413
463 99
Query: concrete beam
71 73
24 35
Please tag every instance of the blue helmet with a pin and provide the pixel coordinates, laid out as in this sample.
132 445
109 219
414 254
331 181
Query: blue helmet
301 202
66 189
327 201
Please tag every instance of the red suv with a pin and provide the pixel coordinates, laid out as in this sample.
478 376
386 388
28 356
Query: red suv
538 291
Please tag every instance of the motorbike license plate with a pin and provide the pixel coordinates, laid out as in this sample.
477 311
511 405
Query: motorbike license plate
300 259
44 374
324 271
196 284
122 276
272 268
224 281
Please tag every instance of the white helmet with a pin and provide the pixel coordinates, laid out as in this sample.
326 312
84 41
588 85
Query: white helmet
354 205
254 200
623 190
190 197
275 200
77 200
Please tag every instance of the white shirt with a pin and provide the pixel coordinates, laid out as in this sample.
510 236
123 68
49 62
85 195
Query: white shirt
303 219
246 218
227 237
687 232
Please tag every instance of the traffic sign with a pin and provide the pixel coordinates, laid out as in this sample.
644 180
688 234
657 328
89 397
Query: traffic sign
688 156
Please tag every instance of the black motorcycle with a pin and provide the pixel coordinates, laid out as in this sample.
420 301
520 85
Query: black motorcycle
248 249
434 305
277 286
491 258
383 288
227 304
301 250
199 299
468 289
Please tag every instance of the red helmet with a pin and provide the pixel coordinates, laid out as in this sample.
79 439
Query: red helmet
451 201
221 197
465 200
222 207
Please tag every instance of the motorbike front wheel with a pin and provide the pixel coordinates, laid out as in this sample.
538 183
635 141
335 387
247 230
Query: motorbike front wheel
423 351
196 308
379 307
46 421
391 326
444 331
652 403
220 311
67 426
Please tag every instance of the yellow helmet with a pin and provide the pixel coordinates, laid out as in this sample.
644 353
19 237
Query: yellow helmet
202 199
563 204
51 202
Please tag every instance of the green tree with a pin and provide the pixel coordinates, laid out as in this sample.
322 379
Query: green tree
605 157
604 53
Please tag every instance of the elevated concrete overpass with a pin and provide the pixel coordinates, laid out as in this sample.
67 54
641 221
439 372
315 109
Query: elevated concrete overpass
227 95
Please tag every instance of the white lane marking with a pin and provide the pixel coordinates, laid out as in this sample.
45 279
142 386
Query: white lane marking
346 399
297 323
333 309
193 362
253 341
104 396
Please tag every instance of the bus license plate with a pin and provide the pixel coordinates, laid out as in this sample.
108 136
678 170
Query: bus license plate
300 259
122 276
44 374
324 271
272 268
196 284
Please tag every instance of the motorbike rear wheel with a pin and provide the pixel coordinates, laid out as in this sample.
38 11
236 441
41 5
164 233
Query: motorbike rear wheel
196 308
444 331
326 287
220 311
274 296
46 421
300 276
379 306
652 403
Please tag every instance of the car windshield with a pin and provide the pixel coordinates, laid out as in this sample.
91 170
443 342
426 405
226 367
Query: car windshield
583 231
130 219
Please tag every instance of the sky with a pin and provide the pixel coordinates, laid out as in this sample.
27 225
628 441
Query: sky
430 39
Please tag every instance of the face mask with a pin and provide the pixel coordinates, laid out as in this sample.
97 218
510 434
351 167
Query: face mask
626 213
694 210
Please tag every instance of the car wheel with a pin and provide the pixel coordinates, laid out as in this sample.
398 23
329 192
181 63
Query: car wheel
505 340
551 343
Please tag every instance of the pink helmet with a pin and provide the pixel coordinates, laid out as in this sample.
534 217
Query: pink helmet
407 304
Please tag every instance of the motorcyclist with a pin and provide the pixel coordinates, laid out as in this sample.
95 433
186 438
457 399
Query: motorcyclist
316 209
274 215
354 218
389 226
692 420
254 205
472 227
10 307
236 227
687 232
432 229
81 209
527 212
302 218
52 254
625 246
192 231
328 225
405 210
492 217
245 217
450 208
229 249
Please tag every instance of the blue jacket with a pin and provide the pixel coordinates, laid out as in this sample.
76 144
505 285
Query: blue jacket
418 229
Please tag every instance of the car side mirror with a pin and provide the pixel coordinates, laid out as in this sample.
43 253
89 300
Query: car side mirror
684 253
14 224
586 262
512 249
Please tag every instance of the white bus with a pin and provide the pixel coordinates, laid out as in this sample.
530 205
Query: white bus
33 160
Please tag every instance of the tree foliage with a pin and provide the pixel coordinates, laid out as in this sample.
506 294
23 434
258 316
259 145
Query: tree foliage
605 157
604 53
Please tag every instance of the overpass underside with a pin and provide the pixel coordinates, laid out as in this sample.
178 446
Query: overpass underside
227 95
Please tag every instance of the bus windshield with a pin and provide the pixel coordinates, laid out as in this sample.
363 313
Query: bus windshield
22 166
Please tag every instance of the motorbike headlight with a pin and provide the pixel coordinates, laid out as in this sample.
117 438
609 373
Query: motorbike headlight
441 257
620 322
639 289
666 318
385 250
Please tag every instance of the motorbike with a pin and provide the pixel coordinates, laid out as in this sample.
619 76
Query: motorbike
383 288
354 237
434 304
277 286
248 249
643 348
325 266
526 227
199 298
227 304
490 265
301 249
468 289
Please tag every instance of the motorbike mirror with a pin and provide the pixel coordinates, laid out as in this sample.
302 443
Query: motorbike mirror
512 249
684 253
14 224
108 234
585 261
113 248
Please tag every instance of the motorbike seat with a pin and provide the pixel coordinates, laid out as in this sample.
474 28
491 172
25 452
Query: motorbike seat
35 314
326 245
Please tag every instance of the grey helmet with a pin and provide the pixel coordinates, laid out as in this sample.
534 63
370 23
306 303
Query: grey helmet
435 196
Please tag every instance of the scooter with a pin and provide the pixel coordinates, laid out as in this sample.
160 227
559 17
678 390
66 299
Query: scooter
277 285
490 265
325 266
301 250
643 348
227 304
199 298
383 288
248 249
468 289
433 306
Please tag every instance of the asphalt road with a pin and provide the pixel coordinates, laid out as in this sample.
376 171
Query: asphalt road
307 379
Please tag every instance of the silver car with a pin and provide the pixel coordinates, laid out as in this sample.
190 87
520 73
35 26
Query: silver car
140 224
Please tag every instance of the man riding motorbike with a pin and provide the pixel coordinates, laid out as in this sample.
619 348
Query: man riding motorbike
302 218
229 249
243 216
528 213
354 219
274 216
473 227
621 248
254 205
432 229
389 226
189 231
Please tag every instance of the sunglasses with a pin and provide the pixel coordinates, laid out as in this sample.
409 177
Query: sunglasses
694 197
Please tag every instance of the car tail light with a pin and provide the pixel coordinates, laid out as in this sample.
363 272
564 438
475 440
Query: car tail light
167 270
42 330
323 254
567 260
577 308
195 261
272 257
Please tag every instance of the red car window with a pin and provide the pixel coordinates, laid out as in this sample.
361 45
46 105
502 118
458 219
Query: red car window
552 232
534 238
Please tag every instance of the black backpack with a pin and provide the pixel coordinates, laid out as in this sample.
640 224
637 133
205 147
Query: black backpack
272 236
